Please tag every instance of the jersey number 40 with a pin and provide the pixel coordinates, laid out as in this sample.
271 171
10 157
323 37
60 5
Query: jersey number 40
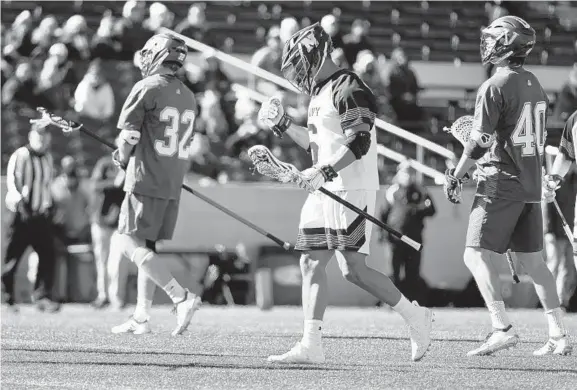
172 145
530 132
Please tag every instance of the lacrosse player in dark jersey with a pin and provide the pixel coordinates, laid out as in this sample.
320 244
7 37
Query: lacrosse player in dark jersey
156 126
507 145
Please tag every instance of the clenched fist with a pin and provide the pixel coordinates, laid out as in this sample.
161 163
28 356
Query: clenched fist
272 114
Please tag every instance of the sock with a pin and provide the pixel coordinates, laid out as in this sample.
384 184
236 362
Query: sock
499 317
175 291
312 333
555 320
406 309
144 298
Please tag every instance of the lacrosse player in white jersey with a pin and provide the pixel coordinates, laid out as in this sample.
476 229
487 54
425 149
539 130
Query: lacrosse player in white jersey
342 142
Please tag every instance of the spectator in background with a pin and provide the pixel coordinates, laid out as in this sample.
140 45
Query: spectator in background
74 35
407 206
57 77
268 58
133 35
558 248
331 25
107 196
28 196
213 120
21 87
94 98
43 37
196 27
19 38
288 27
159 16
366 67
403 88
357 40
209 76
105 43
567 99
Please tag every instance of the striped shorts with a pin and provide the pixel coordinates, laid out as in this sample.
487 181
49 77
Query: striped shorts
328 225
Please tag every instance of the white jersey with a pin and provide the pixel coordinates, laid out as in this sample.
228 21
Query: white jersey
340 102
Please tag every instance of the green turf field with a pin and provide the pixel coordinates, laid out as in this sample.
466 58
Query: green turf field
226 348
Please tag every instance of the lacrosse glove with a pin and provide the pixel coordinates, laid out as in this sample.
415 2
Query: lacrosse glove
550 184
453 187
315 177
118 161
273 115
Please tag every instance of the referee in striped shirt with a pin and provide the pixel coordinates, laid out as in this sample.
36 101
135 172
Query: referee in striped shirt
29 176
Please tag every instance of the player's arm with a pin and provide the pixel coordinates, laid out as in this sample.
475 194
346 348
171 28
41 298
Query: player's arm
130 123
565 158
273 115
487 111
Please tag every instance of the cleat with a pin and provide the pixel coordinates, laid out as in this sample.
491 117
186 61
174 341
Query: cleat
555 347
300 354
100 303
13 308
497 340
132 326
47 305
184 311
420 334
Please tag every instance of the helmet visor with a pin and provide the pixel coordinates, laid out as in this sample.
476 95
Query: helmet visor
296 69
488 43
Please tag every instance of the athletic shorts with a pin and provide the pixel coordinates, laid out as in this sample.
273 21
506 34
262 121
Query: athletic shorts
148 218
328 225
501 224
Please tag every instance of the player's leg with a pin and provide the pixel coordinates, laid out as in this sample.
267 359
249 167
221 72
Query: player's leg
491 225
117 270
316 255
145 289
18 240
552 255
101 245
527 244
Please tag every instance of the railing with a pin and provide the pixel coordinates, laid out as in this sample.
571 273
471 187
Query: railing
420 142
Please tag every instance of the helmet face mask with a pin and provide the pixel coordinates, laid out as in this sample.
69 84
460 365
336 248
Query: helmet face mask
160 49
303 55
506 37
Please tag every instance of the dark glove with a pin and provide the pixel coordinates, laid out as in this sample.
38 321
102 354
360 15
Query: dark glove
453 187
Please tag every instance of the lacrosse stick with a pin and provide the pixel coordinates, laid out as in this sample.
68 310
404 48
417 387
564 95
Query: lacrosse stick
68 126
461 130
267 164
566 227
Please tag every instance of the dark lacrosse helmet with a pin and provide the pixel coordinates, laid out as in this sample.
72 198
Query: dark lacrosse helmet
158 50
303 55
509 36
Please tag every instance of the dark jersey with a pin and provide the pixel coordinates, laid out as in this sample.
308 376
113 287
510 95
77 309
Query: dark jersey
512 107
567 145
163 109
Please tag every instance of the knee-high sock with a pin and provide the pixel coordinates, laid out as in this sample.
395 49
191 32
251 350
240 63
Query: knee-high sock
145 295
156 270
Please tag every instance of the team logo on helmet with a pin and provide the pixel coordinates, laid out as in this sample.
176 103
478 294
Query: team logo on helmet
158 50
303 55
509 36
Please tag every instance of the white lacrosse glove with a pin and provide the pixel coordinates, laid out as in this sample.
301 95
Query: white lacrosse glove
13 199
131 137
550 184
315 177
273 115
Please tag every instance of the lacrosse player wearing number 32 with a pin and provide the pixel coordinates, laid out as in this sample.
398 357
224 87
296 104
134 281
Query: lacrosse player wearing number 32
156 126
507 144
341 140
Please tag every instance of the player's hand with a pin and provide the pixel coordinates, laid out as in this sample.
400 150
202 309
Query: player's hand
315 177
453 187
118 161
273 115
13 199
131 137
550 184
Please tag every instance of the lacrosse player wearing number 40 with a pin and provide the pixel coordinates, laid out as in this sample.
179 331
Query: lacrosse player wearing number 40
156 126
341 140
507 144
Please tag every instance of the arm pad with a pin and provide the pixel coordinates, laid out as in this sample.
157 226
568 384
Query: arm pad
474 150
359 143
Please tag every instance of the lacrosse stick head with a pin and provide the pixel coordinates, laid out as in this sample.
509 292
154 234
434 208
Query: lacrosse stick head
48 118
267 164
461 129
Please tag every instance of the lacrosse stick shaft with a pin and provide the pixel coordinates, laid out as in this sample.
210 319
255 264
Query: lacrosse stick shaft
230 213
566 227
512 266
407 240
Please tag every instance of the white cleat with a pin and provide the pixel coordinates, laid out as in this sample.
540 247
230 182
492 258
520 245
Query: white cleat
555 347
184 311
132 326
300 354
497 340
420 333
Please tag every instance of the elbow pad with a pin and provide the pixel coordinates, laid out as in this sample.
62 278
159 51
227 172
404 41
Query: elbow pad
474 150
359 143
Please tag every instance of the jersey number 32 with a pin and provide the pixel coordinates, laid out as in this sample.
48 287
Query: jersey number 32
173 143
530 132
